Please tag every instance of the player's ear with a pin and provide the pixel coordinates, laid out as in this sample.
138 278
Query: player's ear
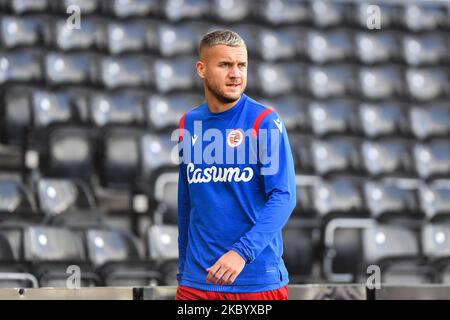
200 68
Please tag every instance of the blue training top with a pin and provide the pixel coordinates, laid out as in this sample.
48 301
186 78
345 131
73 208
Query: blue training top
235 205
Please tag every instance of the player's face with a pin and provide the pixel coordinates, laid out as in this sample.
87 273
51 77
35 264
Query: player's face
224 71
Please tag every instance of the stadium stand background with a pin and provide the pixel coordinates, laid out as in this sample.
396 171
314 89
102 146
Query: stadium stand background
86 176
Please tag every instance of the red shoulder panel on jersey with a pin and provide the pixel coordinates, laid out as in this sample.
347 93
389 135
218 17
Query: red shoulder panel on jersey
258 121
182 126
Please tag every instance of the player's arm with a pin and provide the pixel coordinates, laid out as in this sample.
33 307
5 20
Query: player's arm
183 219
184 208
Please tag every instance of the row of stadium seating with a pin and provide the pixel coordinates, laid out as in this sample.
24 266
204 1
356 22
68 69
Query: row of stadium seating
385 200
269 79
414 15
28 108
406 255
40 255
269 44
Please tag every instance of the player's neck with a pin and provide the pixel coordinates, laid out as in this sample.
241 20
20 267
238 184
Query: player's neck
217 106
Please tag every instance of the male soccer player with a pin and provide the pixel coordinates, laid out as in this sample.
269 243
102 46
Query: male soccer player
231 212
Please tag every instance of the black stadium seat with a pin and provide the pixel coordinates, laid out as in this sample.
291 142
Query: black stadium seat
175 74
51 251
333 116
393 157
120 108
120 158
284 12
69 153
431 120
425 49
435 200
383 119
373 47
165 111
432 159
390 200
176 10
136 36
396 250
339 196
118 258
329 46
19 32
426 84
336 155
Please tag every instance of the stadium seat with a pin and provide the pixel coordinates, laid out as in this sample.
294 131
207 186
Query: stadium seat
52 107
333 116
51 251
90 36
162 241
435 241
86 6
281 44
336 154
432 159
179 39
176 74
165 111
389 14
380 82
19 32
175 10
136 36
427 83
383 119
17 114
374 47
119 260
20 66
422 16
166 186
299 252
69 68
230 11
305 208
329 13
127 71
292 110
329 46
69 153
397 251
390 200
392 157
435 200
28 6
119 108
68 202
278 12
120 158
278 79
134 8
331 81
16 202
301 152
13 274
430 121
339 196
424 49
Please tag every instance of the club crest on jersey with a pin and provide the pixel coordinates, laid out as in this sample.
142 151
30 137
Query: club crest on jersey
235 138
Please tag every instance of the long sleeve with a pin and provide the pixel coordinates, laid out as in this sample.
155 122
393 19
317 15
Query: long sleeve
183 219
279 188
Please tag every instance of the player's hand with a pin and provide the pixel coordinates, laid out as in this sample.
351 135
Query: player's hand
226 269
